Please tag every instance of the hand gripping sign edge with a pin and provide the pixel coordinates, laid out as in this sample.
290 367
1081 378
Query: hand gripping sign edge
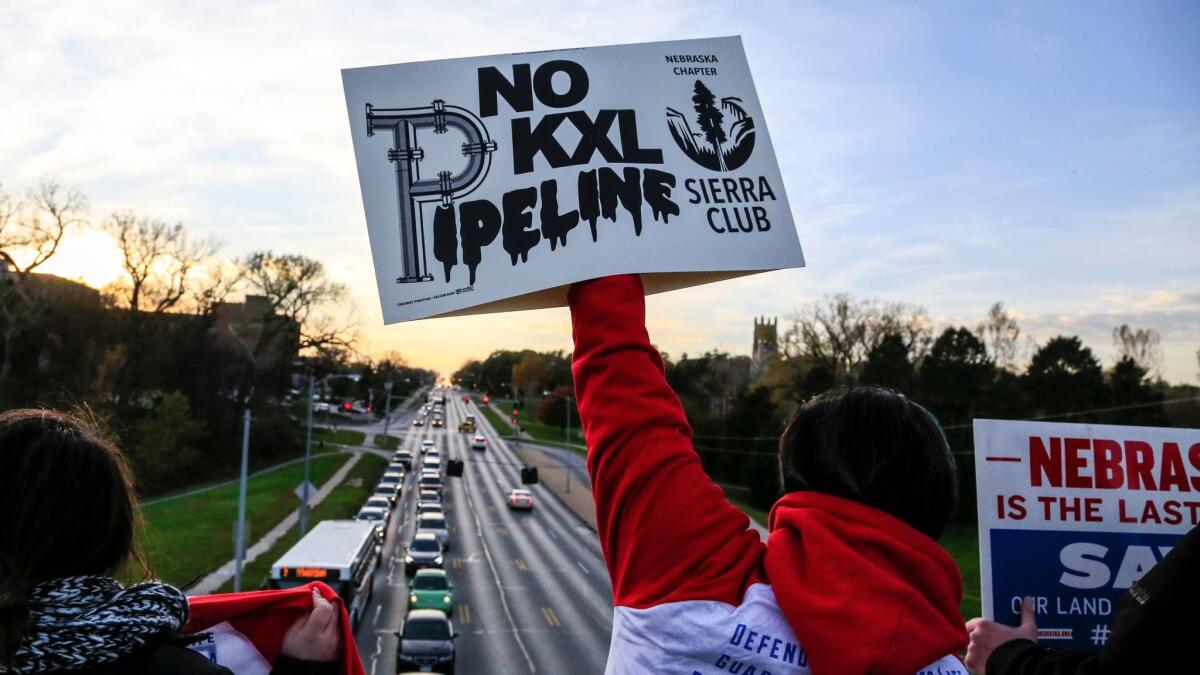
412 190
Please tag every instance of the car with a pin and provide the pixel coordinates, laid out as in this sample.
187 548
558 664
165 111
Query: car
479 442
394 480
427 445
520 499
431 589
427 507
429 497
438 422
431 462
435 523
380 502
467 426
418 421
430 481
404 457
426 642
423 551
388 491
377 516
394 466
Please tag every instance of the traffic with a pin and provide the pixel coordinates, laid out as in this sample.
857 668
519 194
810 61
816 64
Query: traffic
443 573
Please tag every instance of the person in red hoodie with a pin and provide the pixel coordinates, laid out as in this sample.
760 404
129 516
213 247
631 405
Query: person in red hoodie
850 579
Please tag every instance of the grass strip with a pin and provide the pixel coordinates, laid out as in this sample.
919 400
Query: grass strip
493 418
387 442
338 436
343 502
188 536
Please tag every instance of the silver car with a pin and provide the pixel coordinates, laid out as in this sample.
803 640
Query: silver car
435 523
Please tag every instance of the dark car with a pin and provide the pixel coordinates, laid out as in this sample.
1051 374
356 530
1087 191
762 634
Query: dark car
423 551
427 642
405 457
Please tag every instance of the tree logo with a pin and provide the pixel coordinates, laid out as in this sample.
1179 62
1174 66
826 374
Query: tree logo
725 139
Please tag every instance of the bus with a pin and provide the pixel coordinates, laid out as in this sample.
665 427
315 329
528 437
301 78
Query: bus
340 553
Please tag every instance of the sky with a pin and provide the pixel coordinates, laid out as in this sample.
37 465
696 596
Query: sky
944 154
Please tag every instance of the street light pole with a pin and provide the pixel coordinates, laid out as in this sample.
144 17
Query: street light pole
240 544
307 459
387 409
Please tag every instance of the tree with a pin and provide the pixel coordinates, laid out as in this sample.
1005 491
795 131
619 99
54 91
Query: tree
956 375
552 410
531 374
1064 377
1128 380
1142 345
1001 334
31 229
165 441
709 116
888 365
302 303
158 260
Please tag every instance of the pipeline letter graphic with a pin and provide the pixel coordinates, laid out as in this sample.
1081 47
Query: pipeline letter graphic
412 189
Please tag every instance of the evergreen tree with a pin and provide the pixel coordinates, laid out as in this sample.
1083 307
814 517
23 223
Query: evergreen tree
956 375
888 365
709 116
1064 376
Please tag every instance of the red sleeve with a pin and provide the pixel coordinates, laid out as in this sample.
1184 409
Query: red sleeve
667 531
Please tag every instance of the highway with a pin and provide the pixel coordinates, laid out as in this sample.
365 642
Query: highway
531 591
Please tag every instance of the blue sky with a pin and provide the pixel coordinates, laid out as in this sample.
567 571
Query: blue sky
947 154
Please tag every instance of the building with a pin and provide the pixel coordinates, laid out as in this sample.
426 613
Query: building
765 347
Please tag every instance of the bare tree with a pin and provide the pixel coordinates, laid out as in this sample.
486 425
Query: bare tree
31 229
1001 334
215 282
301 301
1140 344
839 332
158 260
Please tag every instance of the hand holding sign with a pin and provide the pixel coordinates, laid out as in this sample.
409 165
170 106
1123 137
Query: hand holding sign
314 636
986 635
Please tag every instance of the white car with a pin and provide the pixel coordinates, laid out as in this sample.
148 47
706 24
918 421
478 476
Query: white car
431 462
377 516
436 523
427 445
520 499
479 442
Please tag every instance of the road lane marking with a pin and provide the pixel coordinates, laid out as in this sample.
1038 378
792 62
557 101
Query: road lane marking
456 562
375 621
550 616
585 570
464 613
521 564
502 531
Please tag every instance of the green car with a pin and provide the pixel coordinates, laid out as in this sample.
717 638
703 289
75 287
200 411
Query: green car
431 589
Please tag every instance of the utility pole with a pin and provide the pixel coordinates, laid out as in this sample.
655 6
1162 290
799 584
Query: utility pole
307 459
240 544
387 409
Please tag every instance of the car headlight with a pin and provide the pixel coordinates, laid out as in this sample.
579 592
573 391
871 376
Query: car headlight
413 598
437 560
446 599
408 558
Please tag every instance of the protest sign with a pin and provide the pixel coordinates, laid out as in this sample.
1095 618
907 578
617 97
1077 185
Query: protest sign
1075 514
491 183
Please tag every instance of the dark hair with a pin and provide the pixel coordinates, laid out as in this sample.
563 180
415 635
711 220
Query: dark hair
876 447
67 507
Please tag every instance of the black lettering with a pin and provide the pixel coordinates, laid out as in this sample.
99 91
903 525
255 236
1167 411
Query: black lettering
594 136
528 144
555 225
445 241
518 216
589 199
714 187
518 93
628 191
688 185
764 189
711 224
480 225
760 219
656 186
635 154
731 189
748 189
576 91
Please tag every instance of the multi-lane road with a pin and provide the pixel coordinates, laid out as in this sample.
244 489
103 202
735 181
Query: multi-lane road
530 589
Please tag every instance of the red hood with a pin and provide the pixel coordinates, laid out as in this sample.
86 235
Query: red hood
864 592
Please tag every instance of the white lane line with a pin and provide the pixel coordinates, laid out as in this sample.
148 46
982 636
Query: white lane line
375 621
585 570
496 577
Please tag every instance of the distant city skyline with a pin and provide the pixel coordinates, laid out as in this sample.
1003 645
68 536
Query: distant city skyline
946 155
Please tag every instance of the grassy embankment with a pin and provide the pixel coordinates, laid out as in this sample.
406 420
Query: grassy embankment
345 501
186 537
338 437
387 442
540 432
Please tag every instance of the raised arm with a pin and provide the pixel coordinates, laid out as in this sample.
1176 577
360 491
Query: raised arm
667 531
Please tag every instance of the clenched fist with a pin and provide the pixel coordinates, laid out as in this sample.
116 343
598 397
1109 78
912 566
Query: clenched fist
315 636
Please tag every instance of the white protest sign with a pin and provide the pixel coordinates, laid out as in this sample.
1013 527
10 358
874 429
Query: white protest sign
491 183
1075 514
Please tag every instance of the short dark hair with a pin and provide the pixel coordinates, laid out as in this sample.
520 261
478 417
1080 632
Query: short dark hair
876 447
67 507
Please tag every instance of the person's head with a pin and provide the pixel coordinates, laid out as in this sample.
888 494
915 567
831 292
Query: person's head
67 506
876 447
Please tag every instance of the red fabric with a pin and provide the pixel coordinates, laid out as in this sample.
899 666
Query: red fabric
864 592
264 616
667 531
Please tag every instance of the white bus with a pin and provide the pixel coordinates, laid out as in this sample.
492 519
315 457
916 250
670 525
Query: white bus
340 553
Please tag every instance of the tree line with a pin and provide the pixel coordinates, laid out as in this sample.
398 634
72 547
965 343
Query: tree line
172 352
738 408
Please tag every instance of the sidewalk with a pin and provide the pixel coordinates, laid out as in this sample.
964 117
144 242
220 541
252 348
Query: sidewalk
214 581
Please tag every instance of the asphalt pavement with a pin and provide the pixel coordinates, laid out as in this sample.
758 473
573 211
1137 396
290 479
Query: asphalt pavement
531 591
